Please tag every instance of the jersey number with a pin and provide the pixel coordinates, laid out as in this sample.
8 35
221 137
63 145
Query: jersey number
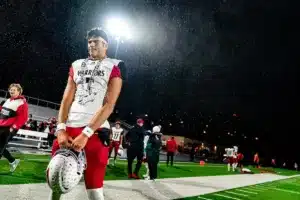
115 136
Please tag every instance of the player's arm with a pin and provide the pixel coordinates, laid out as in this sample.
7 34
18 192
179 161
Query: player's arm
110 134
66 102
112 95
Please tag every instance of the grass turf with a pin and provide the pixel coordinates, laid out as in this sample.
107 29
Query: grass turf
287 189
32 170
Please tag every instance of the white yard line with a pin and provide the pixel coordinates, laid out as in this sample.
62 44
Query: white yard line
238 194
250 190
245 191
204 198
254 189
225 196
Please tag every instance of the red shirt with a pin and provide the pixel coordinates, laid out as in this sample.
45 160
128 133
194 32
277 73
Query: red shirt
171 146
14 113
240 157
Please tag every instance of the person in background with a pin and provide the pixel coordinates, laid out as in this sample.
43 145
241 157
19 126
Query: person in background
240 160
116 138
135 148
171 149
13 115
256 160
192 152
273 162
146 138
152 151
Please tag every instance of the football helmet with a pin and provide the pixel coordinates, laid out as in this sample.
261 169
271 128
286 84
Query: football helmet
65 170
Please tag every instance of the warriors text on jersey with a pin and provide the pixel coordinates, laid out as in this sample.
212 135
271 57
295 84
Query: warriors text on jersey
91 78
116 134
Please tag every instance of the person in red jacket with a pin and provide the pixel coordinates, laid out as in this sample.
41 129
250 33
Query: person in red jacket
256 160
13 115
171 149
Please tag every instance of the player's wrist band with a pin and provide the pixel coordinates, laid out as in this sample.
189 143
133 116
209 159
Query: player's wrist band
60 126
88 131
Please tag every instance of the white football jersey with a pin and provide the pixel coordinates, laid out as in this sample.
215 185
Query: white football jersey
229 152
116 134
91 78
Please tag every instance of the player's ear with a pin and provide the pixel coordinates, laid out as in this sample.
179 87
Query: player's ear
106 46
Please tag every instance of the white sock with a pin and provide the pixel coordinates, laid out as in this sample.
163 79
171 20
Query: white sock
95 194
54 196
228 165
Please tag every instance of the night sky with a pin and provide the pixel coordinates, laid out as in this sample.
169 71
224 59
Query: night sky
190 63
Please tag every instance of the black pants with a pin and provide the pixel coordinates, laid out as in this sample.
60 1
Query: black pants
170 156
5 137
255 164
153 160
132 153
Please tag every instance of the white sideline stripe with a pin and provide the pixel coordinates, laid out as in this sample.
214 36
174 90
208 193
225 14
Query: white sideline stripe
227 197
203 198
242 190
238 194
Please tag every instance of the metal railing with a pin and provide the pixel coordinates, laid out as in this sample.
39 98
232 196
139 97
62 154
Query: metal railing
33 100
45 103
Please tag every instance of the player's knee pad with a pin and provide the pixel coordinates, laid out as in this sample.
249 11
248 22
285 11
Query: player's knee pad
95 194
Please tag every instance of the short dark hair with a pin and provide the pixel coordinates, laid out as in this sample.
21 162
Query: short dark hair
97 32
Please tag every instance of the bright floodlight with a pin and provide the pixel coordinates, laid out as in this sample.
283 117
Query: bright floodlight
119 29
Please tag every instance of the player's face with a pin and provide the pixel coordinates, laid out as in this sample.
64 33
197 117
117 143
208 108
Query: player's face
117 125
13 91
97 47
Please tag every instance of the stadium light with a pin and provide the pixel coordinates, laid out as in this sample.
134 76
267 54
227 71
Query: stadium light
119 29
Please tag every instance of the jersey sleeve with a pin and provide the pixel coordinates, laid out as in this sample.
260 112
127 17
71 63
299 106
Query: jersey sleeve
71 72
115 73
119 70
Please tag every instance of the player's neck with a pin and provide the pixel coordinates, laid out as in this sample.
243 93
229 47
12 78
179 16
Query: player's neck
102 57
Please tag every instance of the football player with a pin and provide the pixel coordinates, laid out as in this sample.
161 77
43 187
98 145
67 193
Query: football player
93 87
116 141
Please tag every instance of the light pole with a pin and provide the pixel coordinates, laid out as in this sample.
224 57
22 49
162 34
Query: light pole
119 29
117 47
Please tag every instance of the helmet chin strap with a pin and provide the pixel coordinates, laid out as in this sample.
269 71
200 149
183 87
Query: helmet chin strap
95 194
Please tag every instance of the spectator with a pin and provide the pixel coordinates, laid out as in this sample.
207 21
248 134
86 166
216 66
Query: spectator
152 151
256 160
13 115
171 149
135 147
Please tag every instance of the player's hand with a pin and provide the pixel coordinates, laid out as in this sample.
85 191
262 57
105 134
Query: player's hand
79 142
63 139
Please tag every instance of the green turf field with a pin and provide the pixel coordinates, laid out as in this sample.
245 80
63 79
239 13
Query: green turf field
32 170
288 189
